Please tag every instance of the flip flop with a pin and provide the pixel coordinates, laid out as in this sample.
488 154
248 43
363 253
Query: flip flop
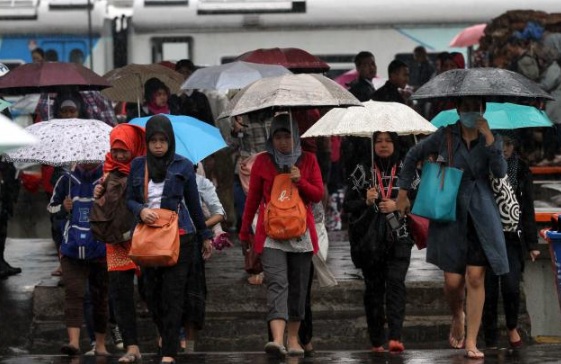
130 358
69 350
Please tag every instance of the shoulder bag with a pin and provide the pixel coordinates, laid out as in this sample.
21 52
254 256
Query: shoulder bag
157 244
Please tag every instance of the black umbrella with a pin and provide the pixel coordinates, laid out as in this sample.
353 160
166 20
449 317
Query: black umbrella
490 82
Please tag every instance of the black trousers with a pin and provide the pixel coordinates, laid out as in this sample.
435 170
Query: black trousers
121 288
509 286
305 332
385 284
164 292
194 305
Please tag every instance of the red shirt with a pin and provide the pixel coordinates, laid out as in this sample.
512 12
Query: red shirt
263 173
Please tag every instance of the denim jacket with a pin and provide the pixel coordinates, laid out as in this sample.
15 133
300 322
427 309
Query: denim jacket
180 189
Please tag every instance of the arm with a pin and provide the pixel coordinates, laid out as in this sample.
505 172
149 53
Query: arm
311 188
209 197
254 197
60 192
526 200
134 205
192 200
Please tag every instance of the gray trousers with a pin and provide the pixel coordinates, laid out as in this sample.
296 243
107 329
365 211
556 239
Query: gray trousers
286 275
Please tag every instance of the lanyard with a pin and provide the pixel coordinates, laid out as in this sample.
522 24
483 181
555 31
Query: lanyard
387 194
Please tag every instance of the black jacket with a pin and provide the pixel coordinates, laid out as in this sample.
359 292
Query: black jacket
362 89
525 196
388 92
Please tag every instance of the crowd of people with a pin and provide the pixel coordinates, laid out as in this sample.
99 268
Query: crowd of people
142 173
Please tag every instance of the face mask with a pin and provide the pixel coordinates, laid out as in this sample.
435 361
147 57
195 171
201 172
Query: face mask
468 118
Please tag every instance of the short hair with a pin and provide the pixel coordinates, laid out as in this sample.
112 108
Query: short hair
361 56
39 51
185 63
420 49
396 65
151 86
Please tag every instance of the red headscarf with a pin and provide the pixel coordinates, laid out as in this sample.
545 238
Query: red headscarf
129 137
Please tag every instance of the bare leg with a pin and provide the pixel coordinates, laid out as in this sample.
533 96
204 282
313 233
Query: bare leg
277 330
100 347
73 336
292 340
475 282
454 291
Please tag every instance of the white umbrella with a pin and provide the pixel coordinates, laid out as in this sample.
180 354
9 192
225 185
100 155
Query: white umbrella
289 91
365 121
13 136
233 75
65 141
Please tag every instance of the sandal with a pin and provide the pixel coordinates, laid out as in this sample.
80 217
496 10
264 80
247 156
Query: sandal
255 279
69 350
474 354
130 358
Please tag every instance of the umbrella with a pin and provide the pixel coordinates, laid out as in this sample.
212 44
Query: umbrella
288 91
4 104
65 141
365 121
501 116
295 59
231 75
494 82
468 37
128 82
194 139
49 77
13 136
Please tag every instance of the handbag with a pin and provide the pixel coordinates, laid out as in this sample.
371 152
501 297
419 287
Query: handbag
438 190
252 262
418 227
509 209
156 244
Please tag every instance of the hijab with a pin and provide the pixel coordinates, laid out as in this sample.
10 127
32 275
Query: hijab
128 137
285 123
157 166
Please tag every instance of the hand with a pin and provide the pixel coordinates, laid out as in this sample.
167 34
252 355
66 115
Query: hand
295 174
99 190
387 206
482 126
67 204
207 249
402 204
245 246
148 216
534 255
371 196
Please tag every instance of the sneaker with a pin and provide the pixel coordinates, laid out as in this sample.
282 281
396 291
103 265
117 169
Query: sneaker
92 351
117 337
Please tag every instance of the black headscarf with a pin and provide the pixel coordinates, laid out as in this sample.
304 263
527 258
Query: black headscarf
157 166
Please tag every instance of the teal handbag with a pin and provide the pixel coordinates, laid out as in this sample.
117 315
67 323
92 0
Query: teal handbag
438 190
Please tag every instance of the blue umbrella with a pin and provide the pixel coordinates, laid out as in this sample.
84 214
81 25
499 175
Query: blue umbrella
501 116
194 139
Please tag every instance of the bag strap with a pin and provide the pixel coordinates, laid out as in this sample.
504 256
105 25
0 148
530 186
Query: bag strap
146 182
450 156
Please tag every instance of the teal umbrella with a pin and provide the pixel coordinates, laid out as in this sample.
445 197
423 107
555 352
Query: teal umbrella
501 116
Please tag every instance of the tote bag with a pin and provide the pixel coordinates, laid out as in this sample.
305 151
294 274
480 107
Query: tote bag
438 190
506 200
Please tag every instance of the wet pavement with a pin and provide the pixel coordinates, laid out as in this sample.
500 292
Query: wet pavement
37 258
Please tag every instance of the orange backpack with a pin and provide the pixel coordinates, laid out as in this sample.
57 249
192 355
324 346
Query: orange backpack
285 214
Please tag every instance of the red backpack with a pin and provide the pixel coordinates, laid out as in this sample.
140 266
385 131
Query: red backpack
285 214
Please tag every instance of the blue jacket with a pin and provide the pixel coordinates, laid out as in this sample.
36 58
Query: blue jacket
180 189
447 242
78 240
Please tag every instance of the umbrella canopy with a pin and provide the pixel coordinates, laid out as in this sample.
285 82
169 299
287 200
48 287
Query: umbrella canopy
128 82
295 59
49 77
194 139
501 116
365 121
231 75
13 136
469 36
288 91
493 82
65 141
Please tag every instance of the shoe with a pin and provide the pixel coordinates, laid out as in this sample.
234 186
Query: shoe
130 358
309 353
7 270
57 272
69 350
296 352
117 337
377 349
91 352
272 348
396 346
474 354
516 344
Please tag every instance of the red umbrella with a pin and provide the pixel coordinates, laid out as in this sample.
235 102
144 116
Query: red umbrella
48 77
295 59
469 36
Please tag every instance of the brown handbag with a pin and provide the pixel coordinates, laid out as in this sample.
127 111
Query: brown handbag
157 244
